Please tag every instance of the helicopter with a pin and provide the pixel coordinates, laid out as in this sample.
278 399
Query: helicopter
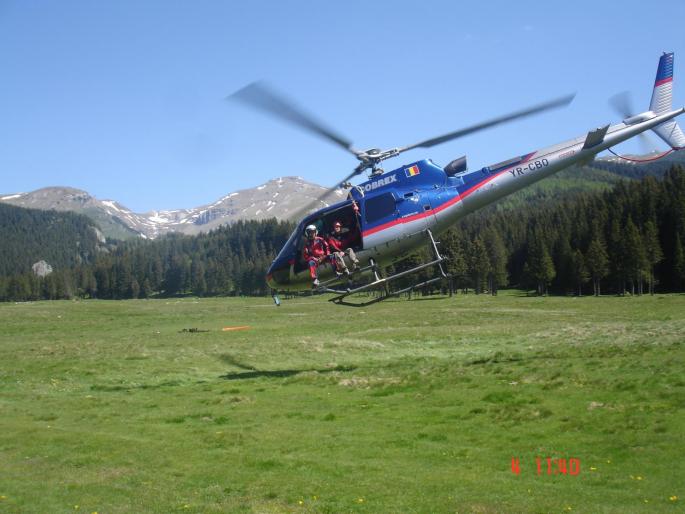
393 213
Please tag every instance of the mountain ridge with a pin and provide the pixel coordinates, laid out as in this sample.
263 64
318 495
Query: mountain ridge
277 198
281 197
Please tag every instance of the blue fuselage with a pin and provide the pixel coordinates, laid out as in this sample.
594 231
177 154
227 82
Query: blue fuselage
396 207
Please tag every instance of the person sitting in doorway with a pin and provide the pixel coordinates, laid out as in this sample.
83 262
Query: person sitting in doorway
339 244
314 253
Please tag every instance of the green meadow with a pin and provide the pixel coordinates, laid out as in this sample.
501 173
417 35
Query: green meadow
404 406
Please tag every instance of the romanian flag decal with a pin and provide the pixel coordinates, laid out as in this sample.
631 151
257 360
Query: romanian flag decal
411 171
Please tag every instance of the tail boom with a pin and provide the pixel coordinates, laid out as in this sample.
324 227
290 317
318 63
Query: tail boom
540 164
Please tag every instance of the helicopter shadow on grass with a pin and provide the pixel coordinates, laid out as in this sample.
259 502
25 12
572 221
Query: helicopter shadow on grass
252 372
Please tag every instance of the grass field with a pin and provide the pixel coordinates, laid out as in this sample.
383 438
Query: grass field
419 406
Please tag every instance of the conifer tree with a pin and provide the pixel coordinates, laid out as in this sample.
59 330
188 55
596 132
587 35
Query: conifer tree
635 257
134 289
679 262
198 284
563 258
654 255
479 264
3 289
618 251
497 255
456 265
597 262
146 288
579 270
539 266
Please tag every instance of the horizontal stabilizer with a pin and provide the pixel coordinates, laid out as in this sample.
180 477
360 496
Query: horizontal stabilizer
595 137
672 134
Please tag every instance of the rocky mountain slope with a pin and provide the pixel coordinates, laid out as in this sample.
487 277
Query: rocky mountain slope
111 217
278 198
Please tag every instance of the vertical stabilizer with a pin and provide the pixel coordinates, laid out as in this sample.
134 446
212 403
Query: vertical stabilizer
662 100
663 86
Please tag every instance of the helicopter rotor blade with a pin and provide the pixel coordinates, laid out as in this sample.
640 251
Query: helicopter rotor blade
299 213
622 103
553 104
259 96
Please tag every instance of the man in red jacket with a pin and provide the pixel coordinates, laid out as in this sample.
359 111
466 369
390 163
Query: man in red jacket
314 253
339 246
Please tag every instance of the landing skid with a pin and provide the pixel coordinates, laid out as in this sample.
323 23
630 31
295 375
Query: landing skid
383 284
335 284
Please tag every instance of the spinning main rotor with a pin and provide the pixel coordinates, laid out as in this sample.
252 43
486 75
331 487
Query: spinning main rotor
259 96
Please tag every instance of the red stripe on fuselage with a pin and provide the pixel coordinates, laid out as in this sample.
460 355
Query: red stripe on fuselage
663 81
444 205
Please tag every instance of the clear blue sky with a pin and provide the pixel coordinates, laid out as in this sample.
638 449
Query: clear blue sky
125 98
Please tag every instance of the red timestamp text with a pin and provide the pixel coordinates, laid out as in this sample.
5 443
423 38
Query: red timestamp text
550 466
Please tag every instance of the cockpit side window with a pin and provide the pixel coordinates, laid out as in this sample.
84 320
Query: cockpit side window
379 207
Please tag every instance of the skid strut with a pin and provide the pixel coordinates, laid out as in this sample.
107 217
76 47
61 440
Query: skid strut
384 283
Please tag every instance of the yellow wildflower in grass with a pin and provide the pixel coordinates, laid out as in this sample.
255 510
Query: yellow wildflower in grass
592 468
300 502
608 462
3 497
638 477
673 498
360 500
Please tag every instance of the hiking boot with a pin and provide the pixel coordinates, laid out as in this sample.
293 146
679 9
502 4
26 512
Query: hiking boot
316 283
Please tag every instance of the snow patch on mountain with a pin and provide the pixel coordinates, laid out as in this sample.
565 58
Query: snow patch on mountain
110 203
158 219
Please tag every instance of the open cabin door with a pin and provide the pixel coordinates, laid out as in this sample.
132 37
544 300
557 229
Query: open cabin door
323 221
